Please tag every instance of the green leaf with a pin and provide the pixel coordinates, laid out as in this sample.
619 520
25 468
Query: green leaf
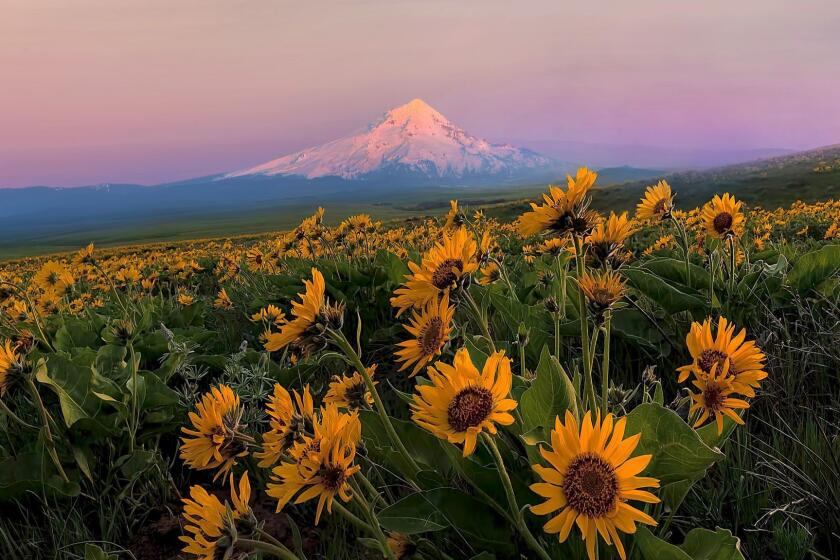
812 268
549 396
93 552
700 544
654 548
709 433
412 515
674 270
678 451
703 544
671 296
75 381
436 509
422 446
32 472
78 332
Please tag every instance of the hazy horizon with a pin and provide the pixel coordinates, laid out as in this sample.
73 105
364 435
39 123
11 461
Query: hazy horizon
153 91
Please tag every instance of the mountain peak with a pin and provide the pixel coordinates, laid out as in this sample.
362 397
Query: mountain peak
414 138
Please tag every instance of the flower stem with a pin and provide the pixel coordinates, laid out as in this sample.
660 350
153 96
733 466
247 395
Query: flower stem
589 387
352 518
517 513
680 226
605 365
342 342
260 546
731 266
480 319
45 418
374 522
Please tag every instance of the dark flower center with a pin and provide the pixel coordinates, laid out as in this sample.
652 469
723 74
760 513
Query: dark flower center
299 428
356 395
332 477
431 337
710 358
591 486
447 273
603 296
660 206
469 408
713 397
722 222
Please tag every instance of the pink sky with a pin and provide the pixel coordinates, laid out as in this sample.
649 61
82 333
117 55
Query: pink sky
156 90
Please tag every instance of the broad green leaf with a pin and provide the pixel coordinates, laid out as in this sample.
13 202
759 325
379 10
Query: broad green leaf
812 268
550 395
436 509
32 472
703 544
93 552
709 433
414 514
674 270
75 381
421 445
78 332
700 544
672 297
653 548
678 451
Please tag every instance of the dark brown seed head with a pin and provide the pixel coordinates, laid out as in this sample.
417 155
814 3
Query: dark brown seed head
591 485
470 408
722 222
447 273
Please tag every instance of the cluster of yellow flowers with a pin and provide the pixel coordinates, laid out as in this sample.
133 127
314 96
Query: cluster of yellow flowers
590 474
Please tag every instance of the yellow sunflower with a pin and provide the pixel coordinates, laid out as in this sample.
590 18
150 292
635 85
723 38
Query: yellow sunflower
657 202
489 273
715 398
305 314
429 329
461 403
590 480
213 525
223 300
350 392
270 314
614 231
557 247
11 364
722 217
215 441
563 211
745 359
454 219
84 255
607 239
290 422
443 268
322 465
603 289
53 277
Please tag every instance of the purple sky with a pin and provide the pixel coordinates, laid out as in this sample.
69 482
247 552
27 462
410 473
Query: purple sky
157 90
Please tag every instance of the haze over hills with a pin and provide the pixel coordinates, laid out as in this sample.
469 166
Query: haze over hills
411 159
411 139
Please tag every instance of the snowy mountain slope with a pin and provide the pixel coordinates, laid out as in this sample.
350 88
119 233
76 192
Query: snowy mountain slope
413 138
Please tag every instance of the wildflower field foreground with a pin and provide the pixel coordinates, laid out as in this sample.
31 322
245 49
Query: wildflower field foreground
661 385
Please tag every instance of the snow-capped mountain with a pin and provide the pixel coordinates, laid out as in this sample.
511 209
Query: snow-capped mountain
412 138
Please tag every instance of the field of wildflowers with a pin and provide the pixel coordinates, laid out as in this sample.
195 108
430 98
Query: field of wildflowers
566 385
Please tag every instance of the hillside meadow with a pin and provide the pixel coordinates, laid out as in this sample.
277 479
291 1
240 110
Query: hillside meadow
573 378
